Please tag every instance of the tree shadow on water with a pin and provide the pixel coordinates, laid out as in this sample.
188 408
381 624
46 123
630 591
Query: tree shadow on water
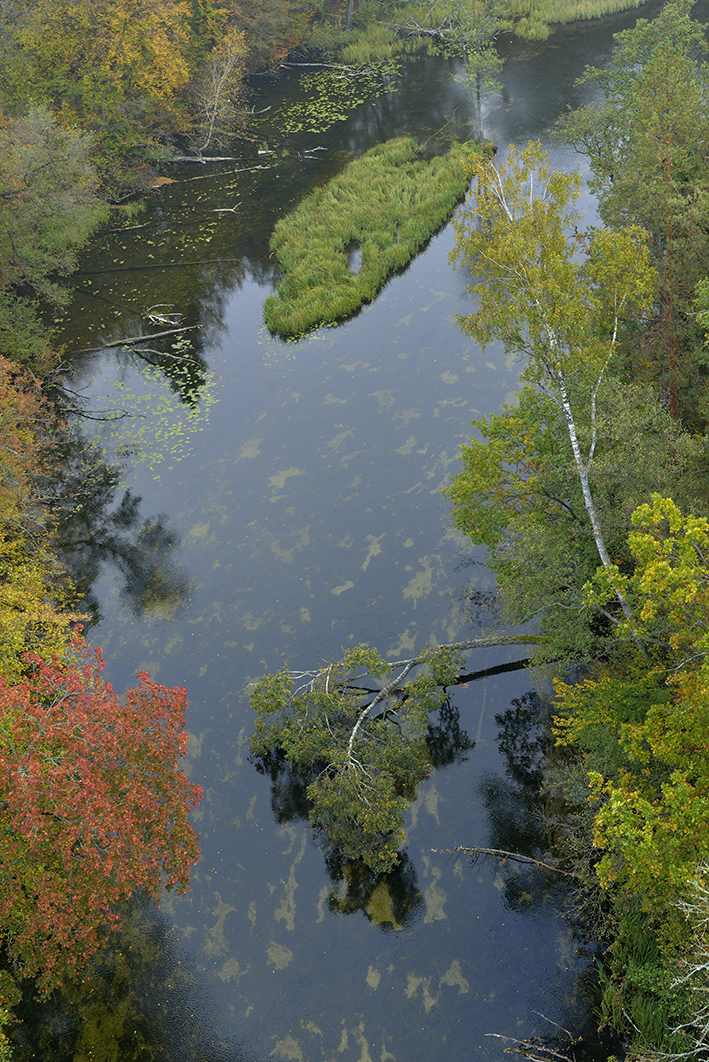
92 531
141 1000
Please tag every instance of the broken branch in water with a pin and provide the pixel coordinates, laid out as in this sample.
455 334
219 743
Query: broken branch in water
539 1049
225 173
202 158
404 668
111 414
158 354
135 339
500 853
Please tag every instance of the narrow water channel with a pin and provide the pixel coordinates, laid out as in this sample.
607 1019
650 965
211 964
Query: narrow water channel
298 510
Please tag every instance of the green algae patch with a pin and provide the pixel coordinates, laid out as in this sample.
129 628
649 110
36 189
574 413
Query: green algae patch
342 243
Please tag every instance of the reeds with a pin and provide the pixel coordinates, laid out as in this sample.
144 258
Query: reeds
527 18
386 204
564 11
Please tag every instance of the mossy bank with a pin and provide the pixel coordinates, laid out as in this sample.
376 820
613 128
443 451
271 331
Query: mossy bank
385 205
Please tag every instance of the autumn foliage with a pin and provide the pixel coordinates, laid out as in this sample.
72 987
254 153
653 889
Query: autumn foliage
33 594
93 805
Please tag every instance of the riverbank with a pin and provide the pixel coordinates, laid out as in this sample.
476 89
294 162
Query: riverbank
307 518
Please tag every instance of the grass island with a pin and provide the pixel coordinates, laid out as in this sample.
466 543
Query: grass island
342 243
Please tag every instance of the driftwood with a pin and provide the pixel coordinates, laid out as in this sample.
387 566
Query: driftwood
225 173
163 265
135 339
158 354
202 158
540 1048
536 1049
111 414
500 853
330 66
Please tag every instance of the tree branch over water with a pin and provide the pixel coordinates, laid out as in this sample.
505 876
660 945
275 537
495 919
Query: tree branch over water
500 853
356 732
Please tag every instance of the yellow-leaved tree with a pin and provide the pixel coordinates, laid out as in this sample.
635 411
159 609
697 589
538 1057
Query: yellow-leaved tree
650 718
116 67
34 613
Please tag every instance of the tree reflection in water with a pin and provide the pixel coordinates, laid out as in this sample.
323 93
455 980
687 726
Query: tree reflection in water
93 531
391 900
514 803
446 740
519 823
142 1000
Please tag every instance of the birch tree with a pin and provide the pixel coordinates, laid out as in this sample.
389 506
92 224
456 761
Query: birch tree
220 92
554 296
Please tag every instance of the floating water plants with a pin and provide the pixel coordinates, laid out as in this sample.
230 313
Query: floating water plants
338 248
330 95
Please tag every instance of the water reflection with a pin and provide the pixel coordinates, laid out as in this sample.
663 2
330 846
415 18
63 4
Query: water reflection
144 999
446 740
391 901
524 740
310 514
97 527
447 743
512 802
182 366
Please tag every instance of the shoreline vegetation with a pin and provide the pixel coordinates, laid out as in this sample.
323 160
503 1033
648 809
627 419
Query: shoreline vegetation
96 98
341 245
377 34
563 12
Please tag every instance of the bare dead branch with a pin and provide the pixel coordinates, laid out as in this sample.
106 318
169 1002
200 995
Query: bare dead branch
500 853
131 340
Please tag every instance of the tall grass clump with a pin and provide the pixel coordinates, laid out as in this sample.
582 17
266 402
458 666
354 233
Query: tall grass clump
386 204
528 15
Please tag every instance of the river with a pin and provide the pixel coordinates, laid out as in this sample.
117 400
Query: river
298 510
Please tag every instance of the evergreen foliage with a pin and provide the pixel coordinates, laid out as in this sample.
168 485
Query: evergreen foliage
388 204
647 143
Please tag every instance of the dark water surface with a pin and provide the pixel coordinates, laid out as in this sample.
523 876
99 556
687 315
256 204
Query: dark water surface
303 514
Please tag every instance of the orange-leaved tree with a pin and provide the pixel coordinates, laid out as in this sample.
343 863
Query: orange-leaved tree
93 806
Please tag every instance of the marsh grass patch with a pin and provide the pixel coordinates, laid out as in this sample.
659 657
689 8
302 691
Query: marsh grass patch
342 243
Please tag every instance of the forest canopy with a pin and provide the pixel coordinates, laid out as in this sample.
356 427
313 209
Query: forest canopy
589 490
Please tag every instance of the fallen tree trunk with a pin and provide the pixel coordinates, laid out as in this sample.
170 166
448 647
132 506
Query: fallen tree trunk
131 340
500 853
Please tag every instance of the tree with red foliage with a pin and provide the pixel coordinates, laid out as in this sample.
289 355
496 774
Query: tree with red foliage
93 806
